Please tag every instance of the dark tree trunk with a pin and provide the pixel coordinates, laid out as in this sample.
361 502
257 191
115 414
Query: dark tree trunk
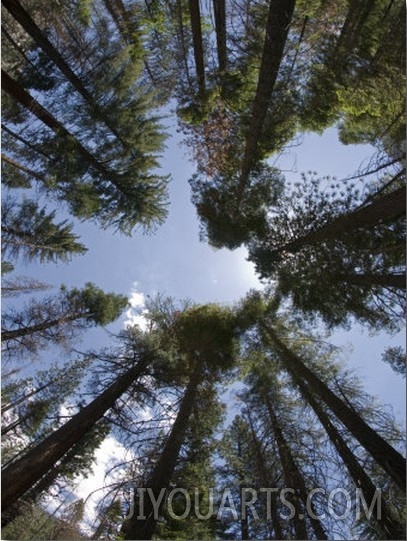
390 528
195 16
278 23
385 455
161 476
40 327
397 281
219 10
386 208
29 25
261 464
21 475
17 92
294 479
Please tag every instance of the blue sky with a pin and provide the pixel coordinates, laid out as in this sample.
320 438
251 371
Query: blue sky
173 261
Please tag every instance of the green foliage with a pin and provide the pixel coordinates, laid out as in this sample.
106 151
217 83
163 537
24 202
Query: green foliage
6 267
224 224
100 308
28 231
35 523
310 261
396 358
108 113
208 333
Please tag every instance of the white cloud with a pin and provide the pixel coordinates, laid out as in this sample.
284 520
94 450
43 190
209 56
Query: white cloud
135 315
110 453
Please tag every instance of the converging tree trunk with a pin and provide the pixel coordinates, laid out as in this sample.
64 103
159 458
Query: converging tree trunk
385 208
29 25
262 467
21 475
278 23
385 455
390 528
159 481
17 92
294 479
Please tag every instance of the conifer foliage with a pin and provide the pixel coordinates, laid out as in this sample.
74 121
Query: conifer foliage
87 88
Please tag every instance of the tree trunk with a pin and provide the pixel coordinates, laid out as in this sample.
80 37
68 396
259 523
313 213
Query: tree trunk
29 25
39 327
161 476
294 479
184 52
261 465
5 430
22 167
278 22
25 397
386 208
390 528
385 455
219 10
23 97
195 17
397 281
27 143
20 476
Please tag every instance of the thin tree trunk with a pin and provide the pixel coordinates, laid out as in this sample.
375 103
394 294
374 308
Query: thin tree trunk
390 528
5 430
15 237
279 18
275 517
397 281
385 455
27 143
294 479
7 407
39 327
184 52
22 167
384 209
219 10
23 97
195 17
29 25
21 475
161 476
289 470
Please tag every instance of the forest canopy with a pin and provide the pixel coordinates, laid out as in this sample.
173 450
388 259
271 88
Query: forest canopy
226 420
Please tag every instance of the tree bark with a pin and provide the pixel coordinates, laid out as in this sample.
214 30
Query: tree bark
385 455
15 90
195 17
294 479
219 10
275 517
397 281
29 25
161 476
390 528
21 475
279 18
25 331
384 209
